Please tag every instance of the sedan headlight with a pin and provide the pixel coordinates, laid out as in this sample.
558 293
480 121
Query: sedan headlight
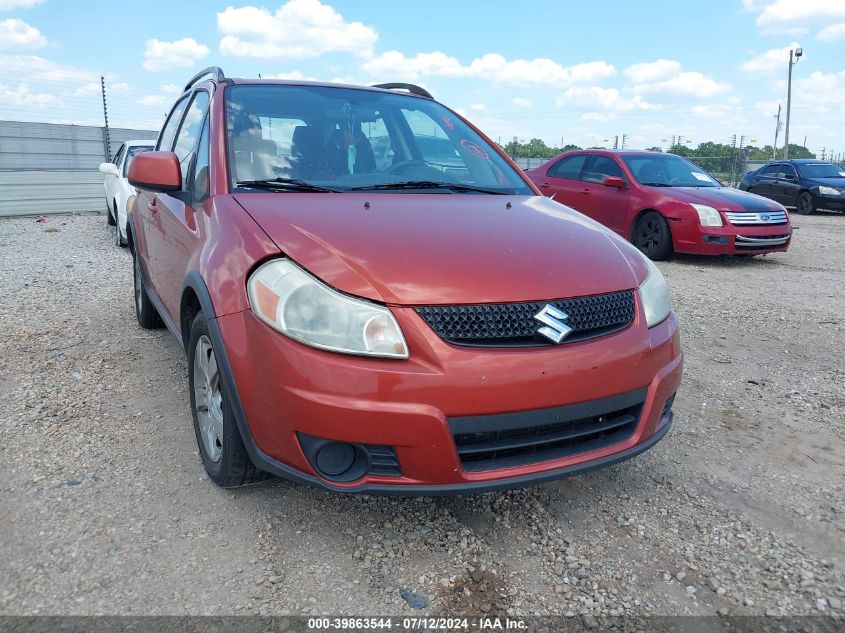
302 307
654 293
707 216
829 191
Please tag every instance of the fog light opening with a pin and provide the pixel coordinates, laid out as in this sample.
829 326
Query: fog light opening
335 458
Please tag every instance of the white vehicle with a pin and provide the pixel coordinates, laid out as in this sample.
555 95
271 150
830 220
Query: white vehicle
119 192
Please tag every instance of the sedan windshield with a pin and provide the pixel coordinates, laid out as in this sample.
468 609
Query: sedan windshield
667 170
821 170
308 138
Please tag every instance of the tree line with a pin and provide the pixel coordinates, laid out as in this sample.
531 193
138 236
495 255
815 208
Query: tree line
536 148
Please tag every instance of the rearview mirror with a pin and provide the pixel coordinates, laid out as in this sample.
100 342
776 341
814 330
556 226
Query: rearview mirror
156 171
110 169
614 181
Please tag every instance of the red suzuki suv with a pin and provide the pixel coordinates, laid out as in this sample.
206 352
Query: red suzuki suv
366 309
663 203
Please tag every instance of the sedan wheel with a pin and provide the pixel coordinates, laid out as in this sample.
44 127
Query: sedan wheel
652 237
805 203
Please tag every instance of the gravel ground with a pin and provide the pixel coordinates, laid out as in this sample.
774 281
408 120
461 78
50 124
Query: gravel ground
105 508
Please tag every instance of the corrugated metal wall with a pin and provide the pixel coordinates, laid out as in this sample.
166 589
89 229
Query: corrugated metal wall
49 168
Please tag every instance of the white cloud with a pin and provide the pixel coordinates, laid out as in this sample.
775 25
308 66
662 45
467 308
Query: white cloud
600 117
652 71
604 98
154 100
686 83
492 66
22 96
294 75
521 102
25 67
478 107
17 34
8 5
797 17
819 90
832 32
773 61
182 53
298 29
171 89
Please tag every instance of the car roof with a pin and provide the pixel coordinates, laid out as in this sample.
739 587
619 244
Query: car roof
620 152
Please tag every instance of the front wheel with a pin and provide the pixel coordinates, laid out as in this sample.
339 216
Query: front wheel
223 453
118 238
805 204
652 236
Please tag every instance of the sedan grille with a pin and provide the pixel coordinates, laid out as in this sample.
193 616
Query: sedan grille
514 325
756 219
488 442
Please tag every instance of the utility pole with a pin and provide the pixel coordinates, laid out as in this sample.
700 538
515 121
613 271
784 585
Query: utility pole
106 139
796 53
625 138
823 153
777 130
616 142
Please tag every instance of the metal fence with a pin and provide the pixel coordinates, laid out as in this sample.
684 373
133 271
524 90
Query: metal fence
50 168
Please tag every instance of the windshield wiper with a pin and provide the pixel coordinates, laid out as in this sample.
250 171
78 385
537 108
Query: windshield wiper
284 184
428 184
657 184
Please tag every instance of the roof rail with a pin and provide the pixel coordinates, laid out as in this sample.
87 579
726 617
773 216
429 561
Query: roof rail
211 70
413 89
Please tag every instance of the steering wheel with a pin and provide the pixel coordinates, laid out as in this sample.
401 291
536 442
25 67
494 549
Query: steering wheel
402 166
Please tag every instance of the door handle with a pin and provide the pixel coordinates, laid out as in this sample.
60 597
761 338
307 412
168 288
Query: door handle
152 206
585 192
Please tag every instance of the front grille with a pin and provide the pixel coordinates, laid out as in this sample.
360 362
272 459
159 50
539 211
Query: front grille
765 241
489 442
513 324
756 219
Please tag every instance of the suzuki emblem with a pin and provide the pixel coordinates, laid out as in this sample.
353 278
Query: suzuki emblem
555 329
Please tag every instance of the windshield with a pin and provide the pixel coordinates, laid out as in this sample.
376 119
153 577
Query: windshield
667 170
341 139
821 170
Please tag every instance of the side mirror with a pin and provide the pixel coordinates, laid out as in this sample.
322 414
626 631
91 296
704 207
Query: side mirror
110 169
156 171
614 181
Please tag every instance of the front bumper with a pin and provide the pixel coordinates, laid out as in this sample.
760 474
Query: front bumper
692 238
830 203
283 390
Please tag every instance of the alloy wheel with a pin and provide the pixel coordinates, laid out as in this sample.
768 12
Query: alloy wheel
208 398
649 236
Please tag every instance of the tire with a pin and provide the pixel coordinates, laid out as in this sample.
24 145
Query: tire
111 221
652 236
145 311
805 205
118 238
219 441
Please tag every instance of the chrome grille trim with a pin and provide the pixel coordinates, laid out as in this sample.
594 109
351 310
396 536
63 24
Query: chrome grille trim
745 219
775 240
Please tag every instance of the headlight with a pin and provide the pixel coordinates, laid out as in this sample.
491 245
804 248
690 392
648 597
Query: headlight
829 191
300 306
707 216
654 293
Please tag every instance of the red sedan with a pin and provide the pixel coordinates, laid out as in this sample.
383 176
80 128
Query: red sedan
408 320
663 203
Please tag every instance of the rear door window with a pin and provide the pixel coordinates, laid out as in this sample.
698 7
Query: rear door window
569 167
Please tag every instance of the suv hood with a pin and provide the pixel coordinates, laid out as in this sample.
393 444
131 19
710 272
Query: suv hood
838 183
725 199
428 249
